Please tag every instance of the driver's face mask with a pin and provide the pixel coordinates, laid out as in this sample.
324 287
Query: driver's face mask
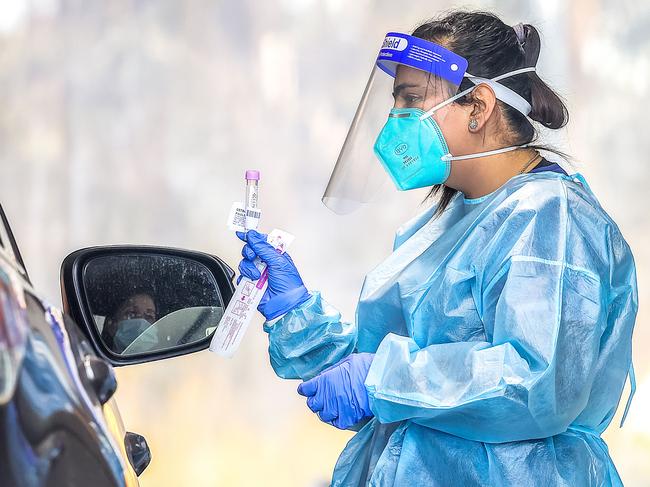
129 330
410 144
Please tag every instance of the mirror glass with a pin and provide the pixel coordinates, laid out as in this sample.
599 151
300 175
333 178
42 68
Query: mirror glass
144 303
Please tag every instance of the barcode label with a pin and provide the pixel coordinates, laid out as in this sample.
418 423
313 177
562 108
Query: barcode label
237 217
241 219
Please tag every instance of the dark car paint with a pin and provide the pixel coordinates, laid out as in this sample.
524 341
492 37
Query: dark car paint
61 426
52 432
53 429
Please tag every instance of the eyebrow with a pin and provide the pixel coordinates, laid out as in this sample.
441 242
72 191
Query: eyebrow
402 86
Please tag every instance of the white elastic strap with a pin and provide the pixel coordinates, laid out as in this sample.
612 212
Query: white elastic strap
449 157
512 73
428 113
506 95
502 92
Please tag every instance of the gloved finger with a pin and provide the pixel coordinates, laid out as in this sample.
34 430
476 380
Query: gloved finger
341 423
248 253
262 248
327 416
315 403
309 387
239 278
264 301
244 235
248 269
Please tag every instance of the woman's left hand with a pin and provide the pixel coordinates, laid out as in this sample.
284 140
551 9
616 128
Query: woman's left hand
338 394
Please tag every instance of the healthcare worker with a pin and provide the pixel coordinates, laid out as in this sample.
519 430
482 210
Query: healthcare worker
492 346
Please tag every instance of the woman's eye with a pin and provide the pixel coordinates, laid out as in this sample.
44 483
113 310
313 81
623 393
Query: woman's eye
411 99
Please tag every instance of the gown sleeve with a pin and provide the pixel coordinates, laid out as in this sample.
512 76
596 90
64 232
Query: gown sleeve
308 339
546 322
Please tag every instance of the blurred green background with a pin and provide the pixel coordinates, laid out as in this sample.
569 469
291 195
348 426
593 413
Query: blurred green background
132 121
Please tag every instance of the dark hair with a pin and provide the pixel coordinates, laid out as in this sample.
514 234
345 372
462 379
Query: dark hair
493 48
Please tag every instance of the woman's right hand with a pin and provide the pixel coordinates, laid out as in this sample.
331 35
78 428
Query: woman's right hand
285 289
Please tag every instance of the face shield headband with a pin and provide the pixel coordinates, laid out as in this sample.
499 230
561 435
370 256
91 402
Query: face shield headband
427 56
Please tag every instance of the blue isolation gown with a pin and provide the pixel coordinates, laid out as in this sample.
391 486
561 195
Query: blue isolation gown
503 336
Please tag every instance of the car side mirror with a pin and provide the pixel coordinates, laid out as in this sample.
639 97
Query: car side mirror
139 304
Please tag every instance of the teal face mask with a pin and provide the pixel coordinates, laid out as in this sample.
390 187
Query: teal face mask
412 150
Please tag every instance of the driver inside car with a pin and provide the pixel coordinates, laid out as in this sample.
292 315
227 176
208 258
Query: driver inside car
130 319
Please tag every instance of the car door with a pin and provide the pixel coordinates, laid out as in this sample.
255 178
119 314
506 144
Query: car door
61 425
58 425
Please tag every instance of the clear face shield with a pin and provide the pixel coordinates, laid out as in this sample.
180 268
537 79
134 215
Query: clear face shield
413 82
410 77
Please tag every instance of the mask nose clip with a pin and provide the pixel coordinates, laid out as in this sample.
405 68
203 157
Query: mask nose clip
399 115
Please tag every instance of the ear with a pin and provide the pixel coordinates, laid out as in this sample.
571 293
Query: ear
483 103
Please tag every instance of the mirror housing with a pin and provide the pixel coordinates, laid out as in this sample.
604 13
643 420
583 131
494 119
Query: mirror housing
77 297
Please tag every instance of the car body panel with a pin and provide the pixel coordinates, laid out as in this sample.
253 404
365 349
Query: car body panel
59 424
53 429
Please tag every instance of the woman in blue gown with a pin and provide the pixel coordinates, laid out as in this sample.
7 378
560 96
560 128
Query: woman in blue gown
492 346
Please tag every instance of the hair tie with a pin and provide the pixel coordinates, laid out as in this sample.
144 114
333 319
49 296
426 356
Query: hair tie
520 32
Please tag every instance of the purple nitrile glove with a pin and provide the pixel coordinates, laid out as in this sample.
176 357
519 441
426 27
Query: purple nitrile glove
338 394
285 289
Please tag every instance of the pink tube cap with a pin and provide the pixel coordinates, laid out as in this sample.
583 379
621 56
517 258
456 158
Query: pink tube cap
253 175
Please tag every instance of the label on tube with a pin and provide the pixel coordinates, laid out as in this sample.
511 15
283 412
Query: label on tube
239 219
